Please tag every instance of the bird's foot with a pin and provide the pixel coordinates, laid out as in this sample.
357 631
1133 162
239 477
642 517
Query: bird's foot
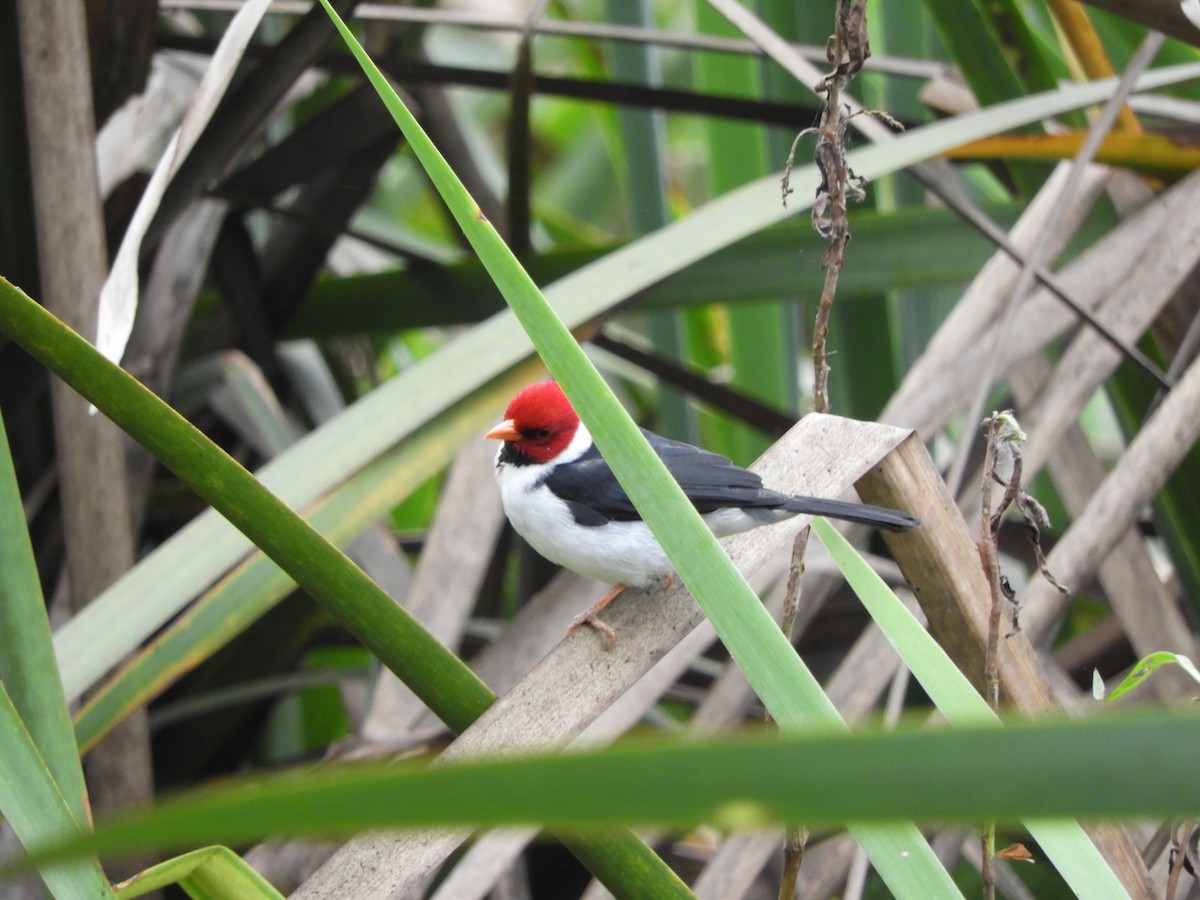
590 617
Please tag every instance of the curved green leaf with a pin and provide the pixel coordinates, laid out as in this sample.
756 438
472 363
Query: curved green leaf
210 873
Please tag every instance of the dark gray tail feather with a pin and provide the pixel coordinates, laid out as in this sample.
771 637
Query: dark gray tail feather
863 513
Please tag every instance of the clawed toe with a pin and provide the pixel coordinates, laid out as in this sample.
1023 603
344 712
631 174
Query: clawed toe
591 618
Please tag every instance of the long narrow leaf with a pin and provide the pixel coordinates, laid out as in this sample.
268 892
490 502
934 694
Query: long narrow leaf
1111 767
27 665
119 296
34 806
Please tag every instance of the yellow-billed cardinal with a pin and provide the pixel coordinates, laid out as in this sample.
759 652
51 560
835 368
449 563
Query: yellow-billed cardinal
561 496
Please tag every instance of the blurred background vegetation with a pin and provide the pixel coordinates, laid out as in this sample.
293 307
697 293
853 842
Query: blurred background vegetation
299 259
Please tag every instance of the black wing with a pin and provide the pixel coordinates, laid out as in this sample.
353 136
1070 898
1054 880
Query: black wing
708 479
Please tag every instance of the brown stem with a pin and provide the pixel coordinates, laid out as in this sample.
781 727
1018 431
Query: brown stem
820 332
987 847
991 569
991 665
791 596
793 858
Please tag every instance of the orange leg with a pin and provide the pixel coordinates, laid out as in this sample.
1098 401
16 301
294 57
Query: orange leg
590 615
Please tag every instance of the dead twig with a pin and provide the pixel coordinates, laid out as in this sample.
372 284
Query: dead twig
848 48
1004 438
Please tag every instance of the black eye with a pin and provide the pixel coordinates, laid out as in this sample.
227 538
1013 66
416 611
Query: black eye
541 433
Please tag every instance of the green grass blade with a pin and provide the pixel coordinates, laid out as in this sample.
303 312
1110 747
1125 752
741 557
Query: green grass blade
1038 49
1114 766
446 685
1064 842
35 808
210 873
27 666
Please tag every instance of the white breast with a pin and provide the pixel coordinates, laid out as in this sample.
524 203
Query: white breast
619 552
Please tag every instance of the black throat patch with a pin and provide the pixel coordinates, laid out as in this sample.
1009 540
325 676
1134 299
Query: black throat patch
511 456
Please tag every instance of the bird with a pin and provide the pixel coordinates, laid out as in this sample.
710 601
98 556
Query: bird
562 497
